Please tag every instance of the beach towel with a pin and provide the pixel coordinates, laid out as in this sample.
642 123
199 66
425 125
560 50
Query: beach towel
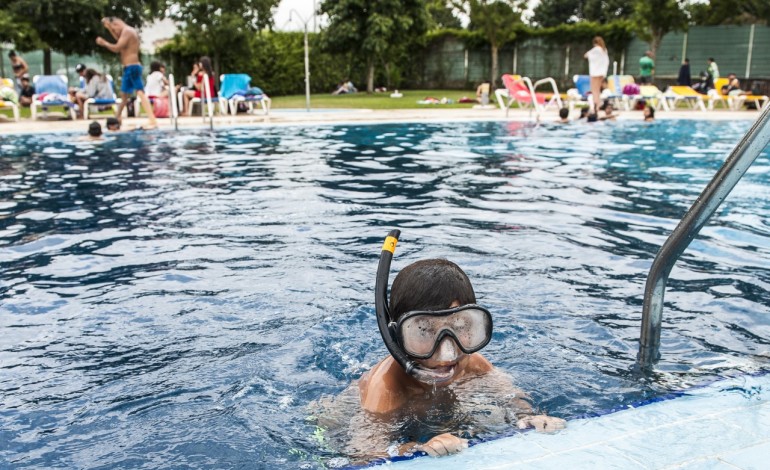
235 84
51 84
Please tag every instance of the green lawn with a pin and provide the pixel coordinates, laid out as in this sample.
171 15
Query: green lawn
354 100
376 100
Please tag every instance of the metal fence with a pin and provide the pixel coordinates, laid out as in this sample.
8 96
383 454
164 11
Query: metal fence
448 63
743 50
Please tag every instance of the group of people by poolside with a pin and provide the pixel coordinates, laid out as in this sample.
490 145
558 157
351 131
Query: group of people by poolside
606 113
153 96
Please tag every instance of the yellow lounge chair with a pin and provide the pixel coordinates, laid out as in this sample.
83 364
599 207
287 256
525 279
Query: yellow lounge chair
652 95
677 93
734 102
8 83
615 85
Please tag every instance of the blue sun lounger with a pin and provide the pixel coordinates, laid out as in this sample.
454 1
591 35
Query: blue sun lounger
51 90
236 88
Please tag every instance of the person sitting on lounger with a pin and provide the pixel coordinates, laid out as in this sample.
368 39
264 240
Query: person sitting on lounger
97 87
204 68
733 87
27 91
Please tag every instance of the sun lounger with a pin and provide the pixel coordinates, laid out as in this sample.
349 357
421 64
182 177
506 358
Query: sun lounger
7 83
236 88
614 90
733 102
51 90
682 93
651 95
102 102
581 94
521 90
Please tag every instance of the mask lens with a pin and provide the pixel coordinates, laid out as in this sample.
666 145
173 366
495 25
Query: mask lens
420 333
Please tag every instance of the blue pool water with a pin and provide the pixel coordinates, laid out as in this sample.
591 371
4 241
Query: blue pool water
177 300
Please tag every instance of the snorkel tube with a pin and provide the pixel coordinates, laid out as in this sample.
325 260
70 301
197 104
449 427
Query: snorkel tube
383 312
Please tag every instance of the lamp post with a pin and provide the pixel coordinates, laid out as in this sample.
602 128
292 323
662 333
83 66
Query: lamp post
307 57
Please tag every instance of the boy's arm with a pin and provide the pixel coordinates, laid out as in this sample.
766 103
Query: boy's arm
519 409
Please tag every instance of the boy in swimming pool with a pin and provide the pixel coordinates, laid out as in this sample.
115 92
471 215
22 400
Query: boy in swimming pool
434 330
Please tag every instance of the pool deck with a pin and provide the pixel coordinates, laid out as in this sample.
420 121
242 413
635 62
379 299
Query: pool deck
725 425
340 116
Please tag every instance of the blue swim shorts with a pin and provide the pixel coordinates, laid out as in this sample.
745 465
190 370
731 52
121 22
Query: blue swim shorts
132 79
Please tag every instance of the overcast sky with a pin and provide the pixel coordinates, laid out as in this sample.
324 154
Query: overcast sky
302 8
289 16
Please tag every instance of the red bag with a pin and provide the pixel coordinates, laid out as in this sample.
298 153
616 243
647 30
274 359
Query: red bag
160 107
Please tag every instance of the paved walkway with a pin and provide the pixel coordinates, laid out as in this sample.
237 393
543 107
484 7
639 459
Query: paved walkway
334 116
722 426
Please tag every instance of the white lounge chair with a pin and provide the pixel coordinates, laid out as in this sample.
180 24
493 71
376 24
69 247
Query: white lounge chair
236 88
51 90
102 102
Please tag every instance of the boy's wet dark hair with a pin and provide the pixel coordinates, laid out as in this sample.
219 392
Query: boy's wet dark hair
583 112
95 129
113 124
651 110
429 284
564 113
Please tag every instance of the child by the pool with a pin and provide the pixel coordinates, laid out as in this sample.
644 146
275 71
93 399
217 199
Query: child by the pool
434 320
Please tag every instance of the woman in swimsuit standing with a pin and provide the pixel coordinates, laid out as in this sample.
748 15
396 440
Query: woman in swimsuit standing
19 67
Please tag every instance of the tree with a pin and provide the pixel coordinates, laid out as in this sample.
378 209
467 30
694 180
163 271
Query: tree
655 18
549 13
604 11
216 27
441 15
71 26
374 31
495 20
718 12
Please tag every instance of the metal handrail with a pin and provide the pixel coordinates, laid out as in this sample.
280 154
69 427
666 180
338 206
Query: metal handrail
172 99
736 165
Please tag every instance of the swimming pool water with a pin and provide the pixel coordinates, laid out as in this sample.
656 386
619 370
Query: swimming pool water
178 299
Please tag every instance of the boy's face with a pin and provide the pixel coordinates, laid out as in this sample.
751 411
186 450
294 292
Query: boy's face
448 362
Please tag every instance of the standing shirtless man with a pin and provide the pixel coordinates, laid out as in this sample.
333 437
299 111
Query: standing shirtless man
127 46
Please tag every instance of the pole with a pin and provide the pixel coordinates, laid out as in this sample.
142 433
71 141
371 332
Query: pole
307 73
315 23
465 65
566 63
684 47
622 62
751 49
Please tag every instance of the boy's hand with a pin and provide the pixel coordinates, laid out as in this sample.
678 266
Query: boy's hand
443 444
542 423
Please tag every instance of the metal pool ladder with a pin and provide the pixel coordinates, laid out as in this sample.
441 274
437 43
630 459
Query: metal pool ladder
736 165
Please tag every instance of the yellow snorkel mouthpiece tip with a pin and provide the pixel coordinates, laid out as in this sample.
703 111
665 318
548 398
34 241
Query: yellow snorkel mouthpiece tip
390 244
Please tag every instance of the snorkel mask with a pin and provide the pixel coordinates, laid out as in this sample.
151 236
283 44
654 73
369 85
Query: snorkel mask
417 334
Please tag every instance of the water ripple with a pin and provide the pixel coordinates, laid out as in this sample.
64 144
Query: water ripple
178 299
